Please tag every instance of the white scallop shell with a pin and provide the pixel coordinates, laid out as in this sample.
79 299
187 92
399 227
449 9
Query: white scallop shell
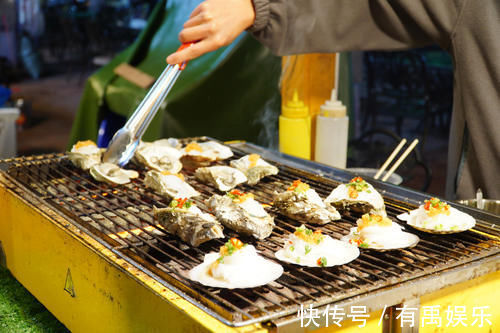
457 221
384 238
244 269
336 252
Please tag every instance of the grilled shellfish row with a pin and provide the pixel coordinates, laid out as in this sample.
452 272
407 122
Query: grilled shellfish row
165 155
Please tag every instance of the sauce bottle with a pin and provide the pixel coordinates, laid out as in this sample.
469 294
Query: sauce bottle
332 127
295 128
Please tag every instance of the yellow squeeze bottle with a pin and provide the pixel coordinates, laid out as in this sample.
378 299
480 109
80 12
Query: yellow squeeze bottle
295 128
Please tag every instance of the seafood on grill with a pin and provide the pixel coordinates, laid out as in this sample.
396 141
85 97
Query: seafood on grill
169 185
170 142
111 173
205 152
254 167
302 202
358 196
378 232
436 216
85 154
185 220
313 249
236 265
160 157
223 177
242 213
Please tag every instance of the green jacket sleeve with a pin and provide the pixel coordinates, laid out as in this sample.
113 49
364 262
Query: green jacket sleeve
306 26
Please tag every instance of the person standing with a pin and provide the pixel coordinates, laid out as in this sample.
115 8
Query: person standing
468 29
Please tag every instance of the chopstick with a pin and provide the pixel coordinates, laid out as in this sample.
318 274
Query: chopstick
389 159
400 160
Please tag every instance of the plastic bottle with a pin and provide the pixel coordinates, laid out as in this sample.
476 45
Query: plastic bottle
295 128
332 127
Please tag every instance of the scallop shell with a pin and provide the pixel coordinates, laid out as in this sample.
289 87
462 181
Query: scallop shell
416 217
409 240
110 173
223 177
336 253
246 270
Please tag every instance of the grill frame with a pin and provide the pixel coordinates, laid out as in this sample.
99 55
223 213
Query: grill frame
412 198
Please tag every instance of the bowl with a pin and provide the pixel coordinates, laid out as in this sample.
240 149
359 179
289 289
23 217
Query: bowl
371 172
490 205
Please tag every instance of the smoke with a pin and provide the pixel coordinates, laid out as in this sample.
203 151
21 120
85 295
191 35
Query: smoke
268 123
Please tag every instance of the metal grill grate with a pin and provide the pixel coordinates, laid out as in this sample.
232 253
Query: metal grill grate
121 217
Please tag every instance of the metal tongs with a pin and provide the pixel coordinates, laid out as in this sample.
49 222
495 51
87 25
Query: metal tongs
125 141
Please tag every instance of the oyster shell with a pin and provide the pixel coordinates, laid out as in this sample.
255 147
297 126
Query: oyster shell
85 154
169 186
240 212
254 167
303 203
160 157
205 152
110 173
188 223
223 177
358 196
170 142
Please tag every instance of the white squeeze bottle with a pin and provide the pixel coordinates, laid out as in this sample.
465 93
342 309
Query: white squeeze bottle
332 127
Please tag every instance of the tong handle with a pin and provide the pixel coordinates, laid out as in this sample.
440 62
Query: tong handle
182 47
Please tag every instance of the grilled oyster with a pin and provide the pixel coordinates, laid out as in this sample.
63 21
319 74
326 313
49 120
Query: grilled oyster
183 219
85 154
205 152
223 177
299 201
110 173
254 167
169 185
240 212
170 142
160 157
358 196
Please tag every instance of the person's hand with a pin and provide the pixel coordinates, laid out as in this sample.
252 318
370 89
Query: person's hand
213 24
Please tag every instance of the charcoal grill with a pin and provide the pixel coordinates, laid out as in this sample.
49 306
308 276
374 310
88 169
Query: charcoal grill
117 221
